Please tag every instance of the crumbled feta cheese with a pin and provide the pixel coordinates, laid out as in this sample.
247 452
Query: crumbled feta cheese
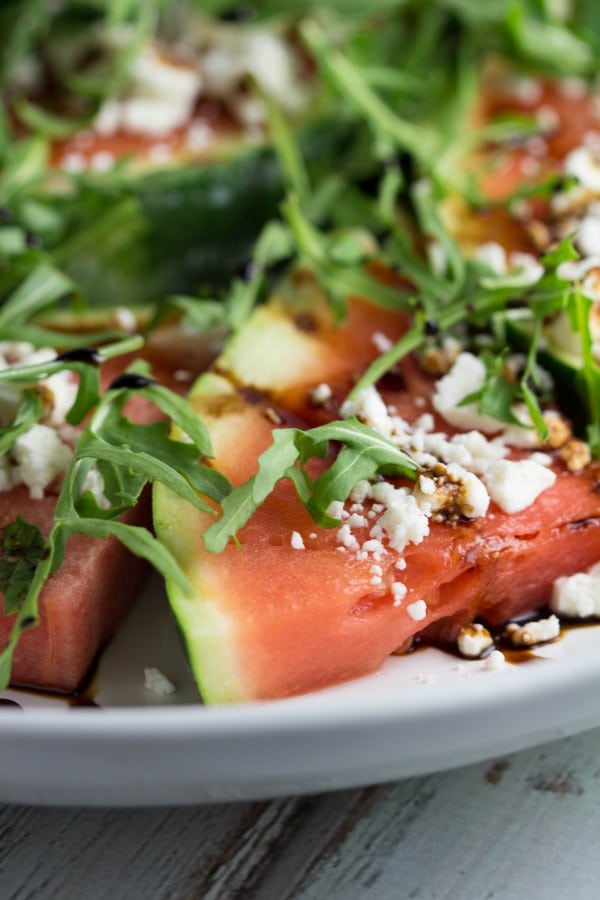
438 259
159 97
587 239
496 660
526 266
577 269
417 610
527 89
102 161
355 520
381 342
125 319
321 394
582 163
58 393
539 631
403 522
426 485
516 485
40 457
345 537
473 640
94 483
466 376
73 162
297 541
492 255
370 409
335 509
571 86
155 681
399 592
548 119
198 136
577 596
265 55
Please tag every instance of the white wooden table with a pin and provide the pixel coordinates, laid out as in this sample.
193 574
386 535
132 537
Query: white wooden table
524 827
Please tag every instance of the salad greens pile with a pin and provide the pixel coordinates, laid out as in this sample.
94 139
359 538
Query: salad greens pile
399 80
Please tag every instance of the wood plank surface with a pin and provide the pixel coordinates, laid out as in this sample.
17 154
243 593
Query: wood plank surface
525 826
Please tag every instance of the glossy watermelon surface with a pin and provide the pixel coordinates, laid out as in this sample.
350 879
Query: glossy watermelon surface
269 621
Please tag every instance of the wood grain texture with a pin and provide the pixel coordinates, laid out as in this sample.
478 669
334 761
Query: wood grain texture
521 827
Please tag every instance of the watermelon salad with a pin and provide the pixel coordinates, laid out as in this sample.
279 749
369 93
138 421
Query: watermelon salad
302 309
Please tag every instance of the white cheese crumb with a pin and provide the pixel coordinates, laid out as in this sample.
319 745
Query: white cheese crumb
73 162
496 660
335 509
473 640
581 163
493 255
526 266
577 596
399 592
94 483
516 485
297 541
381 342
540 631
417 610
466 376
426 485
370 409
125 318
587 239
40 458
155 681
321 394
102 161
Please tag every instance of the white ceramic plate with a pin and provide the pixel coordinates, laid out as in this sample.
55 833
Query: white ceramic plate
421 713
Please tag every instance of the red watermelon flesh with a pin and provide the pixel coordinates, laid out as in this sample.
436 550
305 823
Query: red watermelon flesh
270 621
83 603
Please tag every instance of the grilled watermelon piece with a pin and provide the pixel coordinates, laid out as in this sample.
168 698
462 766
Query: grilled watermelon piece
81 605
269 619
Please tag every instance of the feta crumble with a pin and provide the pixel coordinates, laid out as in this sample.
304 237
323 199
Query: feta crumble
495 661
539 631
155 681
515 485
577 596
473 640
40 457
296 541
417 610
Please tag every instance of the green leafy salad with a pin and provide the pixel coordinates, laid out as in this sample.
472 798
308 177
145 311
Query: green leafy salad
166 166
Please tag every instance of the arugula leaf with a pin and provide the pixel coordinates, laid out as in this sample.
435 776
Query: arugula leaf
364 454
21 549
497 395
29 412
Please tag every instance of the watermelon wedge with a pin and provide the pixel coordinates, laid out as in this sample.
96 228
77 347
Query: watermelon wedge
84 602
289 611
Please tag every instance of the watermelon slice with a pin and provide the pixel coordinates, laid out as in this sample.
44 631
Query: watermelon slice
281 616
83 603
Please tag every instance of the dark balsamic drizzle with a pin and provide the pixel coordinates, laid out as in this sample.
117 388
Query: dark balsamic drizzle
81 354
131 380
239 13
